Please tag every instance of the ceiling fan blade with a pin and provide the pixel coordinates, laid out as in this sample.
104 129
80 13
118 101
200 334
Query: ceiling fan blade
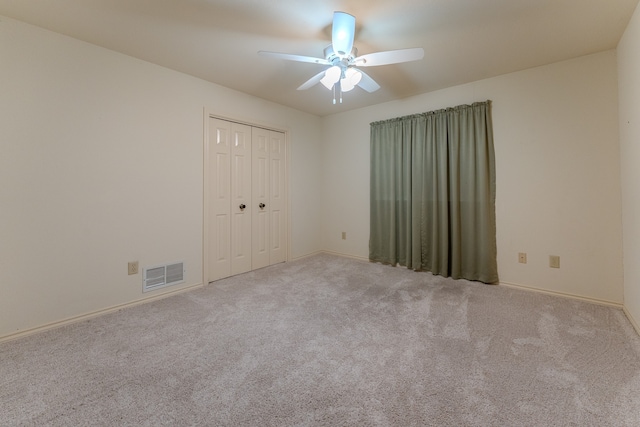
367 83
312 81
389 57
342 33
292 57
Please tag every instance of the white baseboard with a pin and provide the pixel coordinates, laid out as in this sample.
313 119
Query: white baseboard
86 316
96 313
306 256
330 253
563 294
632 320
511 285
359 258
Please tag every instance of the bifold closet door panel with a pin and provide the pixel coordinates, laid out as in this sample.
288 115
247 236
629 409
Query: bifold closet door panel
260 204
219 199
229 199
241 233
277 202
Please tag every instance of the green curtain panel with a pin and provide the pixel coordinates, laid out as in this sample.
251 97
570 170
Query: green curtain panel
433 191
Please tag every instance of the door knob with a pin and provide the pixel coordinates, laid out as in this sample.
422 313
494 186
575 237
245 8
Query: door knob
242 206
262 205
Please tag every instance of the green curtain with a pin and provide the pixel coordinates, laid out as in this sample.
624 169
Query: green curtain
433 193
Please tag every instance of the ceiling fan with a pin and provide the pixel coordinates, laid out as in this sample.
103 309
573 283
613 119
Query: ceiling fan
342 58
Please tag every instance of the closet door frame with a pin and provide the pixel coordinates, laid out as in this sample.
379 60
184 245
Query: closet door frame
206 190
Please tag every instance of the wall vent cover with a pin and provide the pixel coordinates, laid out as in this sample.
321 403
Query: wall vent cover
162 275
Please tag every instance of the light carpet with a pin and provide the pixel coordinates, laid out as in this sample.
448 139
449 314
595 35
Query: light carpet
331 341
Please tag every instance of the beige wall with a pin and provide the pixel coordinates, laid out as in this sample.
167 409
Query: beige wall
558 185
101 164
629 95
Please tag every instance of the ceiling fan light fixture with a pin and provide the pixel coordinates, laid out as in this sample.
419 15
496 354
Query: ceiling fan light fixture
354 75
350 80
331 77
326 83
346 85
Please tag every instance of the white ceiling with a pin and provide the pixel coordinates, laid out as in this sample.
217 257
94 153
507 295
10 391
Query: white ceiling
218 40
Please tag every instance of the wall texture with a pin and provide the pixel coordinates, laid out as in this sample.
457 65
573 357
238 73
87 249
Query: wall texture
101 163
558 185
629 95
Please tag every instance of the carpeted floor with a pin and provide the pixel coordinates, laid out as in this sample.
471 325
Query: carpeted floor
330 341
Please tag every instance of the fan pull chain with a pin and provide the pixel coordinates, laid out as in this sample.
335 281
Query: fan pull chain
334 94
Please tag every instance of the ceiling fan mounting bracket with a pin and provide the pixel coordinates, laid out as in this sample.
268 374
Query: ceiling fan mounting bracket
336 59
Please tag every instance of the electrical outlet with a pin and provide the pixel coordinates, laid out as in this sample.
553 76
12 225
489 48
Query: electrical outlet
133 268
522 257
554 261
344 235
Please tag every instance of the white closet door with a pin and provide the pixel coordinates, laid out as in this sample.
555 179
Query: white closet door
240 198
260 205
219 199
277 203
247 198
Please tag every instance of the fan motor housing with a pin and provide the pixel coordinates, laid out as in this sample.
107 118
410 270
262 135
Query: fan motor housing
332 57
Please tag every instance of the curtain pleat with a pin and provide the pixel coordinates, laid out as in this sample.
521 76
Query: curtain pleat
433 192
